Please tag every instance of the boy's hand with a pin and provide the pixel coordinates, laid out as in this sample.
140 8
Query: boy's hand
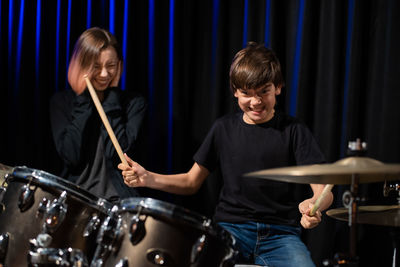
308 221
134 174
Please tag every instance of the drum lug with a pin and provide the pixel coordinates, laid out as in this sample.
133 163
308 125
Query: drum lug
43 205
92 225
26 198
137 229
3 247
55 213
198 248
109 233
2 193
159 257
57 257
108 238
42 240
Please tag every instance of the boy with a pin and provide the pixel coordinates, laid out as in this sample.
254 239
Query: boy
262 215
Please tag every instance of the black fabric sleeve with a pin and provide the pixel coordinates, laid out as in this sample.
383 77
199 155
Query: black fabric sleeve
207 154
125 112
69 115
305 147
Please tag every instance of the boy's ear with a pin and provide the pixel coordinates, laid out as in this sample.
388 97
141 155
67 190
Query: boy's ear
278 90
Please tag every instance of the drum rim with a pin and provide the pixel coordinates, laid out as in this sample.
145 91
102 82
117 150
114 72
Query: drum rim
171 211
41 177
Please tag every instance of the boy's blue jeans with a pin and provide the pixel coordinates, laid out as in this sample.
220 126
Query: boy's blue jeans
269 245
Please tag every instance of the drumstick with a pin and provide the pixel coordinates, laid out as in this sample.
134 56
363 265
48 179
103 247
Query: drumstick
105 120
326 190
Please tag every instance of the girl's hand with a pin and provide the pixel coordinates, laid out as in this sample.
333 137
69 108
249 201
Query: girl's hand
117 77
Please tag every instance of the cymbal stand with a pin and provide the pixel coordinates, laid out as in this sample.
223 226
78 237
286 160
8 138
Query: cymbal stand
350 198
395 236
394 232
350 201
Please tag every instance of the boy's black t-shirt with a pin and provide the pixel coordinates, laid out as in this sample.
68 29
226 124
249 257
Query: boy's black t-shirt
238 148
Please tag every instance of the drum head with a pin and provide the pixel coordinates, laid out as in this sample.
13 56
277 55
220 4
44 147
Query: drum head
167 211
54 183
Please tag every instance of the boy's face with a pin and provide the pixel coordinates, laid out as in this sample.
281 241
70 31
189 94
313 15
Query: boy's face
258 104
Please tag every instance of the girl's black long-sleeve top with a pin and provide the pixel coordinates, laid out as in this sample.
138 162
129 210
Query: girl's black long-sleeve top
82 142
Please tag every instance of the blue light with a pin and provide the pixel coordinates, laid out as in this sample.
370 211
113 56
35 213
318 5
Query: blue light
245 21
19 44
68 37
10 31
346 77
214 36
89 14
151 58
112 9
38 11
125 42
267 23
296 64
170 81
58 41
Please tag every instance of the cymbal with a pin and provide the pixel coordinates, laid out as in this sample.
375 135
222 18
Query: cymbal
4 169
367 169
377 215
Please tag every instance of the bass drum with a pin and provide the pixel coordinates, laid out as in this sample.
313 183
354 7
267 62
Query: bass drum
47 221
149 232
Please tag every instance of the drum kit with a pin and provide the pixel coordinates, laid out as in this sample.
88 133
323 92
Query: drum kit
48 221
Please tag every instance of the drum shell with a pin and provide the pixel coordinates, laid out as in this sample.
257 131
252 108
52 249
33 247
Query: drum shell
175 237
22 226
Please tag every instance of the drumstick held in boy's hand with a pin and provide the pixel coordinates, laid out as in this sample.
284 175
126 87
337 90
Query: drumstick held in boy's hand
326 190
103 117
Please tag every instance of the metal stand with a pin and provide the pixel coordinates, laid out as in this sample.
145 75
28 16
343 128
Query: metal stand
395 236
394 232
350 201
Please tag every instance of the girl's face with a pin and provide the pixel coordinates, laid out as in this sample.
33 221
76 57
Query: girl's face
105 69
258 104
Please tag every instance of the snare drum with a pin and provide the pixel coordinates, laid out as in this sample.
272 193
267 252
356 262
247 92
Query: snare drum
47 221
149 232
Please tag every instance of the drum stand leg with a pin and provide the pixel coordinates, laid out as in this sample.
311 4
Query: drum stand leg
353 207
394 232
350 200
395 236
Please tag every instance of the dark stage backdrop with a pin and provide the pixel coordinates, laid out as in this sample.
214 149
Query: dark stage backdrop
340 61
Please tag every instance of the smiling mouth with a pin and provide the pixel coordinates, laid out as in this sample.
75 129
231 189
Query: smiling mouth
258 111
102 82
